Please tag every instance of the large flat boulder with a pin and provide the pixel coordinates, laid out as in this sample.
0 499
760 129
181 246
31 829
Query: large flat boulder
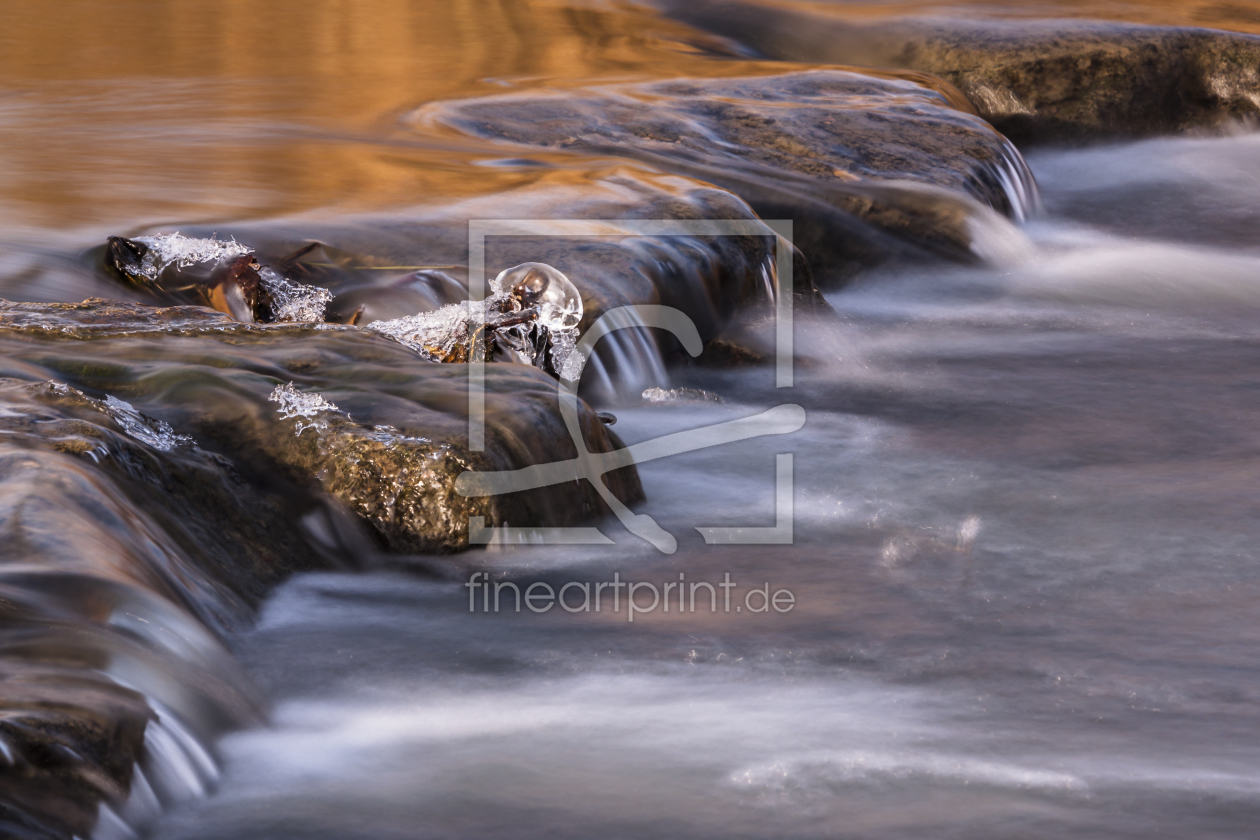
869 165
1037 81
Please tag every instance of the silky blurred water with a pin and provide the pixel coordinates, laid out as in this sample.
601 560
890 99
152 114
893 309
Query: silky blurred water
1024 567
1025 526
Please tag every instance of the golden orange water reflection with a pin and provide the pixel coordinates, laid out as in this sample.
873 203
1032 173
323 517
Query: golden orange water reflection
120 116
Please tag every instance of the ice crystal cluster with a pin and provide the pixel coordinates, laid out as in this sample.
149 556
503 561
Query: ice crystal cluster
294 302
155 433
664 395
294 403
167 249
435 334
568 360
559 305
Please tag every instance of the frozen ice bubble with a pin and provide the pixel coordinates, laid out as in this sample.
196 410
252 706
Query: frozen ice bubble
538 284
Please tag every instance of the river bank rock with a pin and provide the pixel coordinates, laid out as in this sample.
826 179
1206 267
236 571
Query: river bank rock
1036 81
868 166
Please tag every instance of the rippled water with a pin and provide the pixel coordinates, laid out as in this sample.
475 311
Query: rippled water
1024 557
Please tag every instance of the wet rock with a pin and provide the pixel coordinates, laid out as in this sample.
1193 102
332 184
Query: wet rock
833 126
868 166
126 550
131 542
868 169
237 544
1036 81
222 274
396 266
388 449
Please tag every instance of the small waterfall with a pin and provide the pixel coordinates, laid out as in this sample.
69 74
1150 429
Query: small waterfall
624 363
1017 182
175 767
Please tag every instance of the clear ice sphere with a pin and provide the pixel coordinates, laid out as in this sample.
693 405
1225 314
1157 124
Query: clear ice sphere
538 284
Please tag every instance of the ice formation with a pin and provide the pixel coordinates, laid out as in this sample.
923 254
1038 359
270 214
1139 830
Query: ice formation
148 430
663 395
435 335
293 302
167 249
294 403
290 302
532 317
538 284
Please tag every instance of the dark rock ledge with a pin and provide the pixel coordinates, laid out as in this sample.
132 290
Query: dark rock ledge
389 451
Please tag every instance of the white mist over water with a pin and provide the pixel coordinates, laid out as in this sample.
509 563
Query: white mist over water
1024 566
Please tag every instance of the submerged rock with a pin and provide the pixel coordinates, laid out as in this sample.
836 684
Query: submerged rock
1036 81
869 166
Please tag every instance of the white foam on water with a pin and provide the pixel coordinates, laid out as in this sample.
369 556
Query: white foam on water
1081 266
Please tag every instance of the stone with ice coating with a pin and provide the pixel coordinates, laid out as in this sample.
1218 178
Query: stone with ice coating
538 284
167 249
290 302
445 335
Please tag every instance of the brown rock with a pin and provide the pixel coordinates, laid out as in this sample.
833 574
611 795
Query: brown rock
1036 81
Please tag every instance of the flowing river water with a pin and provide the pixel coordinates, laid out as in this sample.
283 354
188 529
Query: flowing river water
1024 527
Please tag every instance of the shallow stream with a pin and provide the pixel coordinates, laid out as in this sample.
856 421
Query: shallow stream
1024 522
